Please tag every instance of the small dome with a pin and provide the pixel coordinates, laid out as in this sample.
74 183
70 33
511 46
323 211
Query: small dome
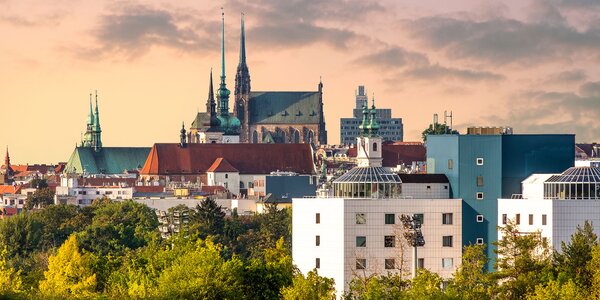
578 174
369 175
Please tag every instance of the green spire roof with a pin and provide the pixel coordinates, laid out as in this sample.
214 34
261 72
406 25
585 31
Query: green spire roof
223 93
365 121
97 116
91 115
373 125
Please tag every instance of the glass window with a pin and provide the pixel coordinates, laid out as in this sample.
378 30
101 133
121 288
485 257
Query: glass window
318 240
317 263
530 219
518 219
361 263
479 218
479 180
420 218
361 241
447 219
504 219
450 164
447 263
447 241
479 196
390 218
361 218
318 218
421 263
480 161
390 263
389 241
479 241
543 219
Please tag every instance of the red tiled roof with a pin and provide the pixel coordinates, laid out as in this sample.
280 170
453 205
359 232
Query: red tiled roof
33 168
149 188
9 189
221 165
60 167
170 159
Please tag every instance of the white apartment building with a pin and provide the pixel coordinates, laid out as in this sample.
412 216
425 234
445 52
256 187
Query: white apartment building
356 230
82 191
555 204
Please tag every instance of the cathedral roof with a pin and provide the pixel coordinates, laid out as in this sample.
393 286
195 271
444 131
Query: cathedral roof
284 107
109 160
165 159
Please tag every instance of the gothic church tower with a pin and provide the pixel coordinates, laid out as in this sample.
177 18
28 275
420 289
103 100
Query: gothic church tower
242 89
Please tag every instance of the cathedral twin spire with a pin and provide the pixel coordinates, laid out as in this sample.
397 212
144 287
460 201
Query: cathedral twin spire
92 137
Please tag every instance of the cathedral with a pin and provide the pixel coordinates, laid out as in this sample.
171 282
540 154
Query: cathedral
258 116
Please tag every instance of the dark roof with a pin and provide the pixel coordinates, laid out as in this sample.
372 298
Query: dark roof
201 122
109 160
168 159
423 178
588 149
368 175
221 165
577 175
284 107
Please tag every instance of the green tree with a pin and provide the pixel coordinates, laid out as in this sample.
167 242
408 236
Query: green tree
264 278
471 281
38 183
202 274
593 267
209 217
554 290
69 274
426 285
312 287
39 199
10 280
389 286
437 129
523 262
572 261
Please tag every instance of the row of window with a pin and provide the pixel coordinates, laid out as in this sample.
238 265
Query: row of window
478 161
390 263
389 219
518 219
389 241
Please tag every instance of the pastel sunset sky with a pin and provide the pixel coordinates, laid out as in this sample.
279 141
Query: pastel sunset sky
532 65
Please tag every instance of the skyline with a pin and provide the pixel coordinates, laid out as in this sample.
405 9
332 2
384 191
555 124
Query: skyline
528 66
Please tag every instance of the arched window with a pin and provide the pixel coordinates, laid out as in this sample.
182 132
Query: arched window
296 137
255 137
375 147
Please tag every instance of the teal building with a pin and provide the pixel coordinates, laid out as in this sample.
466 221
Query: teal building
483 168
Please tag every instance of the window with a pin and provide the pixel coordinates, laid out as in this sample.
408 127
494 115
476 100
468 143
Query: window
447 219
420 218
479 218
518 219
390 263
447 241
361 263
543 219
361 218
318 240
390 218
530 219
389 241
504 219
479 196
226 175
317 262
428 187
420 263
480 161
318 218
479 241
375 147
445 187
447 263
450 164
361 241
479 180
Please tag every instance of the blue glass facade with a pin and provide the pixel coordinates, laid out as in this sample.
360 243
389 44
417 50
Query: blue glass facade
483 168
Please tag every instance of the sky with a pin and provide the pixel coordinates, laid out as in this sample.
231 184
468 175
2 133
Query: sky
530 65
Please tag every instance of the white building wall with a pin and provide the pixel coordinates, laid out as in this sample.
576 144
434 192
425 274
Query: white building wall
533 186
426 190
338 231
525 207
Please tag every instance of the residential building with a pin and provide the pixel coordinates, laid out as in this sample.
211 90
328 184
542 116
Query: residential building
79 190
483 168
391 129
553 205
355 228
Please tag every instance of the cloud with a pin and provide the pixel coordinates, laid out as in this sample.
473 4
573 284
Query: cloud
566 77
436 72
280 24
556 112
546 36
393 57
134 30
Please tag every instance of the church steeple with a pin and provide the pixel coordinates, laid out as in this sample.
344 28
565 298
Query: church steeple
96 130
242 76
7 159
373 125
223 93
211 105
